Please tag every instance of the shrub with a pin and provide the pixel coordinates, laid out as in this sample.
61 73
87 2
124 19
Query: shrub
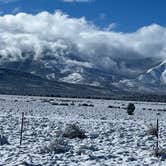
3 140
160 153
91 105
72 103
130 109
24 163
74 131
110 106
64 104
53 103
152 131
86 105
59 145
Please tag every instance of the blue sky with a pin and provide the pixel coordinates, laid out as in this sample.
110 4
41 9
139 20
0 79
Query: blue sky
55 39
127 15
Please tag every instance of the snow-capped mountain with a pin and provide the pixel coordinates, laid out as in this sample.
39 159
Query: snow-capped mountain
147 76
22 83
151 81
155 75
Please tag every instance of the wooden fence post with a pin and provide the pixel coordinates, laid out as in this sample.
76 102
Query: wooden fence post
22 123
157 135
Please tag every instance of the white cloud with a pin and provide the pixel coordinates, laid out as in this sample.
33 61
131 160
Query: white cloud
111 27
58 40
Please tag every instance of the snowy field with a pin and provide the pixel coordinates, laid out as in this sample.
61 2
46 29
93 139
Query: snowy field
113 137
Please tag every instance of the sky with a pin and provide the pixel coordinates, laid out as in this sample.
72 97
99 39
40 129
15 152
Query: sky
123 15
124 36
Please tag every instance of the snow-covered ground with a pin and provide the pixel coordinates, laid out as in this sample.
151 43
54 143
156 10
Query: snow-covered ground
113 137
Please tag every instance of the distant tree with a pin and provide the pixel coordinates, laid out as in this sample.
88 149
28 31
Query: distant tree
130 109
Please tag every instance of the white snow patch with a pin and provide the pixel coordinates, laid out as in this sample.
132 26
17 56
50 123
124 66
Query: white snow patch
73 78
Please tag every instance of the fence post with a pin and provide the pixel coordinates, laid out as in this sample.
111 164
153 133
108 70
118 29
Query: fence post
22 123
157 143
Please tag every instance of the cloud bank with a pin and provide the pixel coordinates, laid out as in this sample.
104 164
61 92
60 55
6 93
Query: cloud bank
59 41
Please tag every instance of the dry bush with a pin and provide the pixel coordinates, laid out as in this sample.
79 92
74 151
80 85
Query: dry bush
152 130
64 104
3 140
160 153
53 103
24 163
59 145
72 103
74 131
86 105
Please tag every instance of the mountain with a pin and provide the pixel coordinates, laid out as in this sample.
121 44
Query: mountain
75 74
155 75
152 81
13 82
22 83
149 79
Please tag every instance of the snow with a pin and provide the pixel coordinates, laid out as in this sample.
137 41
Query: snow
113 137
73 78
155 74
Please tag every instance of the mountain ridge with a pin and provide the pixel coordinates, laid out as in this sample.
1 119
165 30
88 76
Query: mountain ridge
16 82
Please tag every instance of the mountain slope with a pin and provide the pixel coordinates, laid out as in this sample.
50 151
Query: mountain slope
153 81
16 82
155 75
